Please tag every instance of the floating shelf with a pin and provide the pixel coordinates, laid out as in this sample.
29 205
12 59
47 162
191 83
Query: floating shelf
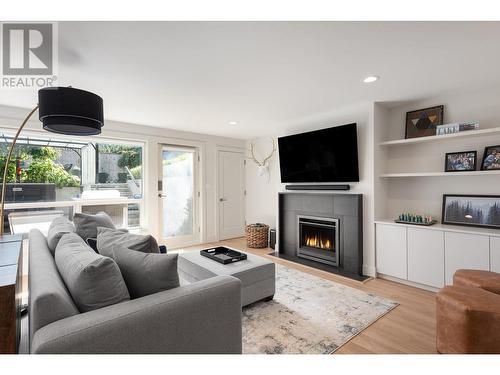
439 174
437 138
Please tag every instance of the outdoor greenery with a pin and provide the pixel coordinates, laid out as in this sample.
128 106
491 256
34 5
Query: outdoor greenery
41 166
130 156
176 159
136 172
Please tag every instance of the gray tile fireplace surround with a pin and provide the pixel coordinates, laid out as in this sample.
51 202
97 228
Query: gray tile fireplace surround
347 208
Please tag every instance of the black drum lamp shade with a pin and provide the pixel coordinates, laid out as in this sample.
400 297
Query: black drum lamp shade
70 111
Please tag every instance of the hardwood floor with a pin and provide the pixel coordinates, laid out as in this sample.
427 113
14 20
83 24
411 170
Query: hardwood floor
409 328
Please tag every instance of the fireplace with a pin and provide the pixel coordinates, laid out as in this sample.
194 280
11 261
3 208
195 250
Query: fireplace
318 239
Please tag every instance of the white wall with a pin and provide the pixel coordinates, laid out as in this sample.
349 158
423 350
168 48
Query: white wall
261 205
10 118
262 196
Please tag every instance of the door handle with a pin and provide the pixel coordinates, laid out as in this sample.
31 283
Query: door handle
160 195
222 200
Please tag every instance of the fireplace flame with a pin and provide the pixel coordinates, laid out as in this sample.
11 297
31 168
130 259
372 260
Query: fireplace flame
319 242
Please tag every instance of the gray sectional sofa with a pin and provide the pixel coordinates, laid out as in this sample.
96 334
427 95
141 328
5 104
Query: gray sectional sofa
201 317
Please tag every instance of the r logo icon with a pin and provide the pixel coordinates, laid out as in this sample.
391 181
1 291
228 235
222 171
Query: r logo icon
27 49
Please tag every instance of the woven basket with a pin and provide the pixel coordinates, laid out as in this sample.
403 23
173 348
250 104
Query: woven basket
257 235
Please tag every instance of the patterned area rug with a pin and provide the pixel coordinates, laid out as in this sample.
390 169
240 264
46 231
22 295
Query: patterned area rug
309 315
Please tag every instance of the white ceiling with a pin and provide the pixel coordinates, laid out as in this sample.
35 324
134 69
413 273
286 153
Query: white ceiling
198 76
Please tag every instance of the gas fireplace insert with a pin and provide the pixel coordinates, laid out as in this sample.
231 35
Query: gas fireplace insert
318 239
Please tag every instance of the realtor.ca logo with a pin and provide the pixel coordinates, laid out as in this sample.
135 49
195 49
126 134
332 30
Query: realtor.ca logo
29 55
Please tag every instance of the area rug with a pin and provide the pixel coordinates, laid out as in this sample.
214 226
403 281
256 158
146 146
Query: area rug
309 315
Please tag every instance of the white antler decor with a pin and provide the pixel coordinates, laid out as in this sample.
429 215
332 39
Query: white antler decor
263 166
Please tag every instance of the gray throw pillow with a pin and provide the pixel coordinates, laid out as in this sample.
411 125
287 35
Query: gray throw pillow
107 239
59 227
144 273
93 280
86 224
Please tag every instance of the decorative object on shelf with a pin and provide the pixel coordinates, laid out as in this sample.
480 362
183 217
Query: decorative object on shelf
423 122
456 127
460 161
257 235
471 210
415 219
491 158
262 166
62 110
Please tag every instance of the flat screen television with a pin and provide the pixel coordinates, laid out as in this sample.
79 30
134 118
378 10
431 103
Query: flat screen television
326 155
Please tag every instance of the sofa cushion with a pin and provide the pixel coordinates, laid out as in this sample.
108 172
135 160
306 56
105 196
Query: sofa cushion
49 300
58 227
86 224
146 273
93 280
108 238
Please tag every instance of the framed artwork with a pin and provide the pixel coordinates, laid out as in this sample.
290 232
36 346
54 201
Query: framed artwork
491 158
423 122
460 161
472 210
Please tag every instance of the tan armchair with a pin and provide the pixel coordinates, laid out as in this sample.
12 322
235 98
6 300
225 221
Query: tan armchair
468 314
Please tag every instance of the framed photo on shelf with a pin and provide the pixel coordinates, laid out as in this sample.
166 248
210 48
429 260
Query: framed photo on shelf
471 210
460 161
491 158
423 122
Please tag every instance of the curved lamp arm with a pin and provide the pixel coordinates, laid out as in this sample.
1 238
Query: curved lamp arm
6 167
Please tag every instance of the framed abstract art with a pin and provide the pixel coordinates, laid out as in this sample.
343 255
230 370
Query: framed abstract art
423 122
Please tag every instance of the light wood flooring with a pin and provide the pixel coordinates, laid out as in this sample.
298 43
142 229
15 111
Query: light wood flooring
409 328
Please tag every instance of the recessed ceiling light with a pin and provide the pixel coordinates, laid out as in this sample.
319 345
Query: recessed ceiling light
370 79
233 123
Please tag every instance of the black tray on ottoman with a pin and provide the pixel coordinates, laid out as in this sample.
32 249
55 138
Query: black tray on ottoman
223 255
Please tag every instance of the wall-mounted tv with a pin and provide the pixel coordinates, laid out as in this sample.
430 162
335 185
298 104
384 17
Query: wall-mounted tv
326 155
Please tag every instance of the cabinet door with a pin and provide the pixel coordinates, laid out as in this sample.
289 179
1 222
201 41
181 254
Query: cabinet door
426 256
495 254
470 251
391 250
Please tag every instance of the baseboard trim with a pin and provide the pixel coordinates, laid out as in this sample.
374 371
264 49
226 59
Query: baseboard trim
408 283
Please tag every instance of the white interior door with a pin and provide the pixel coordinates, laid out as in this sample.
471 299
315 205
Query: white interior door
231 166
179 196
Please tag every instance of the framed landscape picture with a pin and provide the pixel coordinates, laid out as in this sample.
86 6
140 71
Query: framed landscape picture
491 158
460 161
423 122
472 210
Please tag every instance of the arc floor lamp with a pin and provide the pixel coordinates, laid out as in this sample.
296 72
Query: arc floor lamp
63 110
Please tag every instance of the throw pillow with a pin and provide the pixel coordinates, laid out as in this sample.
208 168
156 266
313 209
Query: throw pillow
93 280
144 273
86 224
108 238
59 227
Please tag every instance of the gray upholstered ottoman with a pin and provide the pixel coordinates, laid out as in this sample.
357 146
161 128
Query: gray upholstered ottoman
256 274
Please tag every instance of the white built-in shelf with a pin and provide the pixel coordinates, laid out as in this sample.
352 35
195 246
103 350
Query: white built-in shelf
446 228
437 138
439 174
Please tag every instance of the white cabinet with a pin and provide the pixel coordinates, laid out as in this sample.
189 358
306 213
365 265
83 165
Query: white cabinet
391 250
426 257
429 256
495 254
463 250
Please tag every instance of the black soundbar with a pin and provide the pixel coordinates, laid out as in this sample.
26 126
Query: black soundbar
317 187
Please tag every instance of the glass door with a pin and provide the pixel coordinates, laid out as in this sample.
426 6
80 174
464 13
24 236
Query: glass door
179 196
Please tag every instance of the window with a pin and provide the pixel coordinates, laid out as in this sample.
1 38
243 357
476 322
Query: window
71 175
